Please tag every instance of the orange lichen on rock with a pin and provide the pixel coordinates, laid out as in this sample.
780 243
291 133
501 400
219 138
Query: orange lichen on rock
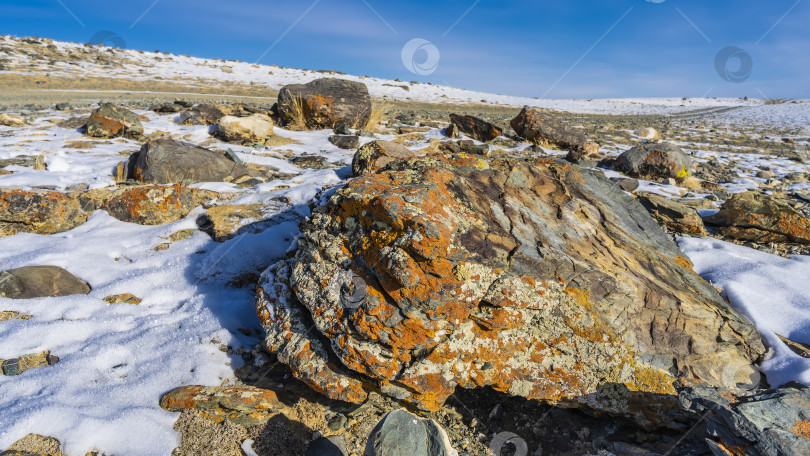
802 429
533 278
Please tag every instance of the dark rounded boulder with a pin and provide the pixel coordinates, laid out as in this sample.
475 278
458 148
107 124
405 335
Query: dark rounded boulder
325 103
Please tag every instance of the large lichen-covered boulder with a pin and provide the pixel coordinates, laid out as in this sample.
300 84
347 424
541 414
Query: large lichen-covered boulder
326 103
109 121
757 217
168 161
655 161
535 278
41 212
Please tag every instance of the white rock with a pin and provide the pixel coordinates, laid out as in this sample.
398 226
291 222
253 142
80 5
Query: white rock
255 128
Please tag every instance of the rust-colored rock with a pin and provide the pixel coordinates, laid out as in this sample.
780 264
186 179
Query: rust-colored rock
326 103
38 212
109 121
757 217
243 405
546 130
534 278
475 128
376 155
152 205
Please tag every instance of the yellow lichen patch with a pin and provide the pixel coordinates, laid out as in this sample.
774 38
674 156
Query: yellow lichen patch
684 263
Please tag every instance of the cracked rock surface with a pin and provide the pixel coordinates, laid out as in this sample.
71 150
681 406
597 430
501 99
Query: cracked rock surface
536 278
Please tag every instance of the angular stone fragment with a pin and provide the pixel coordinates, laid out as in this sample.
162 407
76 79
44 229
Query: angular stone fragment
109 121
345 141
166 161
675 216
326 103
475 128
757 217
242 405
222 222
38 212
376 155
534 278
30 282
126 298
545 129
16 366
202 114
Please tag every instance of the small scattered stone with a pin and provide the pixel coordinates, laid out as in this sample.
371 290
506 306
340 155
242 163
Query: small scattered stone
11 120
243 405
125 298
16 366
344 141
377 154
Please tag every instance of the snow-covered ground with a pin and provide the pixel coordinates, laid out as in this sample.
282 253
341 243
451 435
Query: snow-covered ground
771 291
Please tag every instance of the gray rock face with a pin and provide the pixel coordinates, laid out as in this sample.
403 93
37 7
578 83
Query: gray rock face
327 103
345 141
656 161
327 446
403 434
40 281
769 423
166 161
109 121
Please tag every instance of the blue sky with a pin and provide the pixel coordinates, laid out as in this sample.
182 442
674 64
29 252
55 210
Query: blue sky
561 49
